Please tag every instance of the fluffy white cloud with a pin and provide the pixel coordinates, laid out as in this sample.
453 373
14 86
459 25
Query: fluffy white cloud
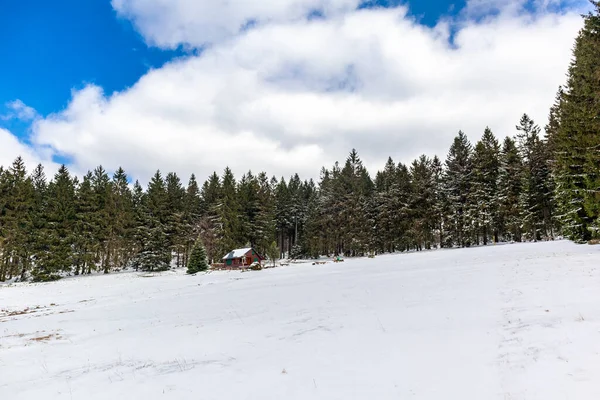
168 23
485 7
294 95
11 148
19 110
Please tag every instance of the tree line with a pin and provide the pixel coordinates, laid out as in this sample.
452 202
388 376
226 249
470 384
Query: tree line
482 193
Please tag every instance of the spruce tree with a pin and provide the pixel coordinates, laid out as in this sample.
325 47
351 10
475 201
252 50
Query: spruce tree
192 213
198 260
154 253
175 224
574 136
211 228
85 245
16 220
457 188
121 214
509 190
484 190
422 203
61 219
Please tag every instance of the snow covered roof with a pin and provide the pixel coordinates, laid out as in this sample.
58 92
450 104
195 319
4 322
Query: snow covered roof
236 253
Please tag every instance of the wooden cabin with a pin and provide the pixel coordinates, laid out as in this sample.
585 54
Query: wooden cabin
240 258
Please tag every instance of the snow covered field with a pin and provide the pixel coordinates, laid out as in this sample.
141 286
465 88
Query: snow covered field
518 321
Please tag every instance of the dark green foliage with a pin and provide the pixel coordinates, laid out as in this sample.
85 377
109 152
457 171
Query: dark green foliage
484 191
574 138
57 256
198 260
509 190
458 181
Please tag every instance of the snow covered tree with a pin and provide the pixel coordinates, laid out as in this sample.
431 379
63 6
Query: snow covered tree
59 237
484 189
422 203
457 187
198 260
573 134
174 223
85 246
16 204
154 253
509 191
536 195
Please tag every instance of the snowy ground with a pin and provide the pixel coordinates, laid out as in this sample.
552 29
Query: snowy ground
515 321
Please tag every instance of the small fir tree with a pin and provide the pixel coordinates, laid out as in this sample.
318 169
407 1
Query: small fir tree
198 261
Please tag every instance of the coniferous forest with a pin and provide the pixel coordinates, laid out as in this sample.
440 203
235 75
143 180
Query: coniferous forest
531 185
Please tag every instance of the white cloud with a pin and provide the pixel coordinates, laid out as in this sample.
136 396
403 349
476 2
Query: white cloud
11 148
168 23
19 110
294 95
476 8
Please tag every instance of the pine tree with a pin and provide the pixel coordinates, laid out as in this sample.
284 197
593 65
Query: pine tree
264 222
509 189
355 193
16 220
175 230
228 216
574 136
37 239
536 194
61 218
192 213
422 203
457 187
211 228
484 190
85 245
121 215
198 260
154 253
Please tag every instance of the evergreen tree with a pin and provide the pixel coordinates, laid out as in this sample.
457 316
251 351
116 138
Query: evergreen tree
192 212
37 239
154 254
484 190
211 228
85 245
15 220
536 194
422 203
228 216
198 260
61 219
457 187
175 229
121 215
509 189
574 136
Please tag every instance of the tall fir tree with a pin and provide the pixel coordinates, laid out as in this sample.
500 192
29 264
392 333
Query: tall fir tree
61 218
484 190
198 260
509 191
457 186
574 136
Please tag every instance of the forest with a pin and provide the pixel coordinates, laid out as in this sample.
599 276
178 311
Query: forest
531 185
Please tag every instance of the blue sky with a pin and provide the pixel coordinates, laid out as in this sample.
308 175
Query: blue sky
411 92
52 47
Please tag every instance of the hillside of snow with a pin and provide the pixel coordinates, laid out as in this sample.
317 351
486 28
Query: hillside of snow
515 321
